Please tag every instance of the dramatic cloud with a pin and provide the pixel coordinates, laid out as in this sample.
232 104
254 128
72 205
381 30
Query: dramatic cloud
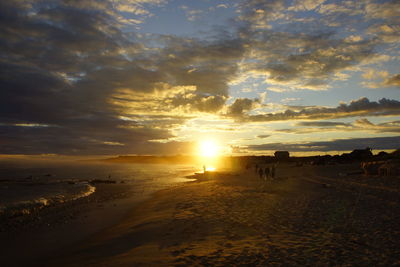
307 5
334 145
306 61
310 52
385 10
360 107
322 123
358 125
83 76
385 127
66 64
380 79
242 105
393 81
263 136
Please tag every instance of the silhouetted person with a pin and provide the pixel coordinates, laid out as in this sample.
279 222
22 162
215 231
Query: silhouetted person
204 168
261 173
266 173
273 172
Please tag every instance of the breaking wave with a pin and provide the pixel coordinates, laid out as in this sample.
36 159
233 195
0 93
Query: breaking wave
22 198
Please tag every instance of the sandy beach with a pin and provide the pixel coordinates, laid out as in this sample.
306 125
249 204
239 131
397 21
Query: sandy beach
307 216
139 133
28 240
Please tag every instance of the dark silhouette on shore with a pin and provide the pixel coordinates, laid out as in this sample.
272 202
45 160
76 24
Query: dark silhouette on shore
246 162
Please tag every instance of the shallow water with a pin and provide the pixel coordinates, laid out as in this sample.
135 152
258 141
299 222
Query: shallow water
27 185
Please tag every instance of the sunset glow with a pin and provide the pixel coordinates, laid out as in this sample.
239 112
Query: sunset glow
208 148
199 132
153 77
210 169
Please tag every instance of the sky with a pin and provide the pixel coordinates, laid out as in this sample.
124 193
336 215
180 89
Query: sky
156 77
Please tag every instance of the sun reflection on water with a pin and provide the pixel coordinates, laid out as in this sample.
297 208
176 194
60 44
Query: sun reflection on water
210 169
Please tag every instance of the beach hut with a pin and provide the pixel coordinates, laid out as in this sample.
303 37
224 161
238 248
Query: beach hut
361 153
389 168
281 155
371 167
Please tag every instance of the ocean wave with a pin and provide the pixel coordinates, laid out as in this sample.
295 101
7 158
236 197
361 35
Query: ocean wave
18 199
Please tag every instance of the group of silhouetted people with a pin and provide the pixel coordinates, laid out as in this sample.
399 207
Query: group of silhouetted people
265 173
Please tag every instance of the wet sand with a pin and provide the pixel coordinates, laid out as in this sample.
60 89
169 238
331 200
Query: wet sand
309 216
31 239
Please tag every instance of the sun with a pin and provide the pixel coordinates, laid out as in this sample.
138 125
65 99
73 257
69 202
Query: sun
208 148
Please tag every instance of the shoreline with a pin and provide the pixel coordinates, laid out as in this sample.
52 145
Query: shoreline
27 240
307 216
30 239
232 219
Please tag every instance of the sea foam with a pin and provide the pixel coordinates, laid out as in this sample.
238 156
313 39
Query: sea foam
22 198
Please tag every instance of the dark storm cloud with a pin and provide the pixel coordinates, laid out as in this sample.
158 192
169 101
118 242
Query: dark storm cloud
334 145
62 62
206 65
360 107
49 51
76 139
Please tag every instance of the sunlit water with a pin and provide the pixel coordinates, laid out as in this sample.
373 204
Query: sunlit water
25 186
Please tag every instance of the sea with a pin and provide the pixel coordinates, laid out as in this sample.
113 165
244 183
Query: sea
29 185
